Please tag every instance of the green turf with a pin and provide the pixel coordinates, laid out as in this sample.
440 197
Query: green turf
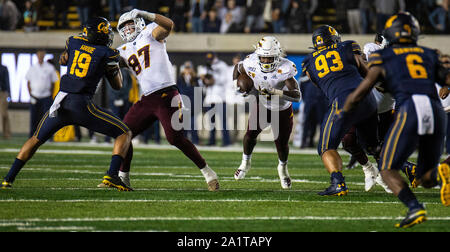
56 191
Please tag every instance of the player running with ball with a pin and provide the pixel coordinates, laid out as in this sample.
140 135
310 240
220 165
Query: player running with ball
273 77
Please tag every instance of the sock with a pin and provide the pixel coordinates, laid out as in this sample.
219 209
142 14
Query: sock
338 176
208 173
361 157
282 162
116 162
408 198
246 157
15 169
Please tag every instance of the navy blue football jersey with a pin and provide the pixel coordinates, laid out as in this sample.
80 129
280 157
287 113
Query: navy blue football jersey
409 70
334 69
86 65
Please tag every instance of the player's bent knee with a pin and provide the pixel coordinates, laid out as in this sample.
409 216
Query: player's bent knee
29 148
175 139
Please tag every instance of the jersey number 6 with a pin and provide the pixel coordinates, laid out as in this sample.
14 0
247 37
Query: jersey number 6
416 70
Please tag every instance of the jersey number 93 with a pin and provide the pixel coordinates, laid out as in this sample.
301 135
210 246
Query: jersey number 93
324 68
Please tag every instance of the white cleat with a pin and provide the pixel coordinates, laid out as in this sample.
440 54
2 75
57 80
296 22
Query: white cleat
381 182
370 173
243 169
211 178
285 179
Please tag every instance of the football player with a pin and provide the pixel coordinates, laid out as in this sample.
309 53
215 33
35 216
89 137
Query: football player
409 72
336 68
273 78
88 58
386 104
145 53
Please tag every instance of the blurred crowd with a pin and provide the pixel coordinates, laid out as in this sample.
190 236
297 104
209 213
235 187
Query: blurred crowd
230 16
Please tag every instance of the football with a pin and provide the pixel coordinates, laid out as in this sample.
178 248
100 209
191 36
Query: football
244 83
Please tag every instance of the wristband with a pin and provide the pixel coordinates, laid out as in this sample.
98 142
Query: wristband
148 15
278 92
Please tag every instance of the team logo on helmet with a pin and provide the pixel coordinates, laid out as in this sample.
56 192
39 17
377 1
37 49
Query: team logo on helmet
402 28
332 31
103 27
319 40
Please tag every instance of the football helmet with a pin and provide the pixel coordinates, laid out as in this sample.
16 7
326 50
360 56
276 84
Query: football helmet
402 28
126 34
324 36
269 47
98 31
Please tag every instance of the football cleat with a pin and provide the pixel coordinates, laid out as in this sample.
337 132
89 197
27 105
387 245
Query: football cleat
337 188
243 169
444 176
410 171
286 183
102 185
6 184
213 185
381 182
413 217
285 179
125 177
116 182
211 178
370 176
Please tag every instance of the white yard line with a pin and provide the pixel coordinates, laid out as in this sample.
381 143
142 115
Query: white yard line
221 218
200 201
234 148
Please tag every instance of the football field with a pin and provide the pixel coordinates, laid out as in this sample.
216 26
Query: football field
57 191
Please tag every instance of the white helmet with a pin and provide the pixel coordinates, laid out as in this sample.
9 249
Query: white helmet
139 25
269 46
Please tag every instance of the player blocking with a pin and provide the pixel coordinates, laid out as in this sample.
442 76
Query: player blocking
142 43
88 58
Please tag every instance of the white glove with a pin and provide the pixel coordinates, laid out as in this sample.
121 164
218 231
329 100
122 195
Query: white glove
144 14
265 88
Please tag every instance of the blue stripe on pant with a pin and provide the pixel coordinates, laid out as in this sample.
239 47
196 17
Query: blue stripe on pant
403 139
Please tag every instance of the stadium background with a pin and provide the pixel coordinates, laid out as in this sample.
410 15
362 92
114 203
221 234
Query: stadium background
17 47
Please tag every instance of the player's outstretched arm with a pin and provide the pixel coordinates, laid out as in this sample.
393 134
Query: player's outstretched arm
165 25
114 75
363 89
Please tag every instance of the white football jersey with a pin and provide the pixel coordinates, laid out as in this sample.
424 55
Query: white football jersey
385 101
275 79
149 61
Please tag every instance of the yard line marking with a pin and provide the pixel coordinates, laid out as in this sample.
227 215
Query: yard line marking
201 200
59 228
75 152
222 218
205 190
13 224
